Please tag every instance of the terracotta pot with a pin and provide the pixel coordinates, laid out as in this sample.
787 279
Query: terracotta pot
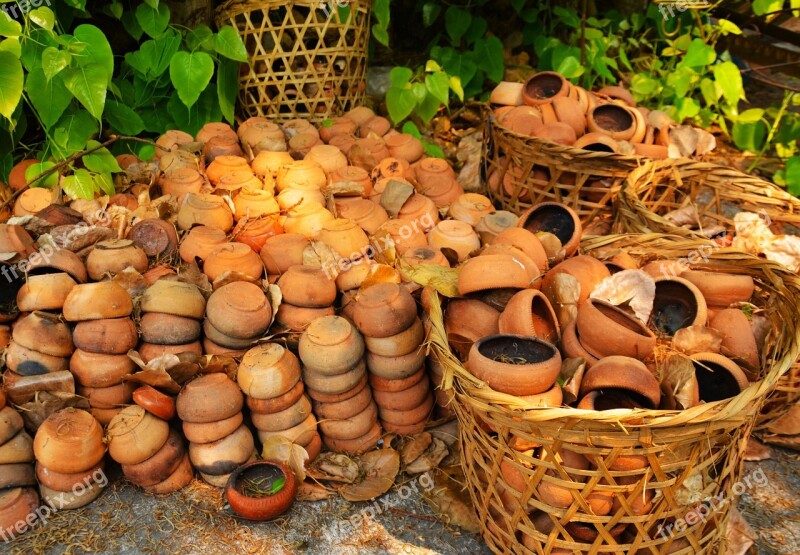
455 235
167 329
571 345
174 297
329 158
494 224
269 506
211 348
302 173
45 333
425 256
256 232
678 304
213 334
720 289
403 399
360 115
330 346
376 124
156 238
15 239
384 309
544 87
586 269
180 181
358 445
555 218
111 257
10 424
96 301
344 142
351 176
597 142
621 262
345 237
268 163
17 450
225 165
240 180
179 479
17 508
738 340
357 380
353 274
492 271
507 93
233 257
281 252
466 321
352 427
559 133
420 210
297 318
205 209
215 129
619 93
114 337
278 403
307 219
405 235
471 208
58 481
527 242
302 143
223 456
268 371
405 146
28 362
385 385
307 286
161 465
529 313
45 292
150 351
240 310
61 259
396 367
136 435
337 384
302 434
156 403
100 370
254 204
542 363
285 419
615 121
718 377
450 191
107 398
212 431
69 441
625 374
200 242
170 140
209 398
33 201
400 344
339 126
568 111
607 330
346 408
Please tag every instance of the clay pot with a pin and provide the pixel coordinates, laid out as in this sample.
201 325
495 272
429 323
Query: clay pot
16 178
28 362
555 218
45 333
297 318
281 252
405 146
656 152
677 304
180 181
167 329
223 456
339 126
493 271
400 344
420 210
720 289
111 257
403 399
170 140
718 377
559 133
351 176
344 142
205 209
426 256
285 419
586 269
619 93
345 237
455 235
136 435
114 337
161 465
527 242
174 297
58 481
529 313
626 375
307 219
307 286
278 403
466 321
568 112
406 235
151 351
45 292
615 121
256 232
17 450
254 204
96 301
180 478
268 371
336 384
33 201
358 445
360 115
494 224
98 370
17 508
200 242
233 257
346 408
69 441
571 345
507 93
470 208
107 398
542 363
607 330
62 260
300 195
240 180
738 340
302 173
396 367
157 238
10 424
265 507
225 165
384 309
330 346
268 163
329 158
597 142
210 432
302 434
544 87
155 402
209 398
240 310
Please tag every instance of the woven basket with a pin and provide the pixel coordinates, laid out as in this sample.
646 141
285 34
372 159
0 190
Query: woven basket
586 181
303 63
692 455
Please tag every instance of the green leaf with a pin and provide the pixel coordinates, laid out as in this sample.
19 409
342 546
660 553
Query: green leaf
131 24
43 17
477 28
420 91
116 9
791 175
428 108
72 131
400 103
433 150
88 84
643 86
699 54
730 79
229 44
751 116
50 97
11 78
382 15
97 50
680 80
122 118
381 35
9 27
54 60
567 17
710 91
105 183
153 21
157 119
227 88
100 160
411 128
152 3
79 185
438 84
48 181
455 86
687 108
146 152
749 136
489 54
456 22
154 56
570 67
431 66
430 11
761 7
728 27
11 44
206 109
399 76
200 38
190 73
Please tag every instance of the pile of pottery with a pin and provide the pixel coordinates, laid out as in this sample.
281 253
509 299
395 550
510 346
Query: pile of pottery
104 335
70 459
171 317
237 314
16 451
334 370
269 376
308 294
210 408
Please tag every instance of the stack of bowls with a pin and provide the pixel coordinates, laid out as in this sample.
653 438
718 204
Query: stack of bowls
332 351
38 352
16 507
16 457
50 280
308 293
238 314
172 313
269 375
219 441
281 252
70 463
386 314
151 454
103 336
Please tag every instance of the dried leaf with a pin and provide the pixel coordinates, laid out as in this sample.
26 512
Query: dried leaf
380 273
156 377
77 237
379 469
637 288
210 364
46 403
740 535
132 281
334 467
756 451
414 447
469 153
684 217
788 424
275 299
444 280
678 383
451 503
383 246
570 377
230 276
789 442
320 255
280 449
395 195
192 274
430 459
447 432
312 491
697 339
563 292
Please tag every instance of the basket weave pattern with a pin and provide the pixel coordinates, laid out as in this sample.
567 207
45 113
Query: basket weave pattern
303 63
691 455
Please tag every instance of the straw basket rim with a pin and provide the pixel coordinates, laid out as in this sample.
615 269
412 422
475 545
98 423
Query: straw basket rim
238 6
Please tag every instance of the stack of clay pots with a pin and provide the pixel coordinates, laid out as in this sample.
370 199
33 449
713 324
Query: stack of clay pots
50 280
70 462
219 441
103 336
269 375
172 313
237 314
281 252
37 357
334 370
152 455
308 293
108 258
386 314
16 463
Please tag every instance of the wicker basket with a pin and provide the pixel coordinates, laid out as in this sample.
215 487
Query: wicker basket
692 455
308 59
586 181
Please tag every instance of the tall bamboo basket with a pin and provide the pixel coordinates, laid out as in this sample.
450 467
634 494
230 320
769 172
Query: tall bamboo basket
308 58
693 457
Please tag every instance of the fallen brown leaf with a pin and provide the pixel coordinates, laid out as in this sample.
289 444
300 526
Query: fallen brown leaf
788 424
379 469
46 403
570 377
334 467
740 534
756 451
312 491
414 447
430 459
450 502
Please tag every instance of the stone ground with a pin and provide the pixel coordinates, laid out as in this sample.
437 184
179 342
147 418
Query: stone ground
126 521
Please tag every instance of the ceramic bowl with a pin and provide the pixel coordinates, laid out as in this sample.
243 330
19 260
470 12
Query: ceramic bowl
358 445
396 368
345 237
166 329
111 257
624 374
281 252
69 441
272 497
174 297
233 257
28 362
400 344
307 286
135 435
157 238
337 384
161 465
179 479
515 364
466 321
107 398
200 242
209 398
720 289
239 310
97 301
384 309
330 345
555 218
111 336
17 508
678 304
98 369
45 333
492 271
607 330
209 432
156 403
278 403
297 318
205 209
302 434
45 292
66 482
225 455
455 235
268 371
586 269
151 351
543 87
285 419
718 377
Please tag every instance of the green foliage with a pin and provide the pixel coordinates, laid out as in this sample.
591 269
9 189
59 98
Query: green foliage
75 88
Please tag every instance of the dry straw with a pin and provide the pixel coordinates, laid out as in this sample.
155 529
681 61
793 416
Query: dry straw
692 455
305 61
586 181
